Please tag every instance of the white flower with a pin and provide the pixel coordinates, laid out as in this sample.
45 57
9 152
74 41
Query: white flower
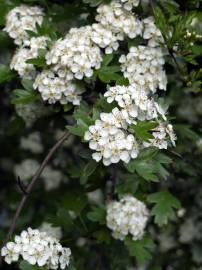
64 258
76 53
152 33
37 248
105 38
20 19
110 142
57 89
129 4
28 51
11 252
119 20
128 216
143 66
161 134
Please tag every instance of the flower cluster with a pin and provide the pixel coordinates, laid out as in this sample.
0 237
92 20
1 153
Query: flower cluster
79 55
161 135
109 141
119 20
134 103
128 216
111 137
30 49
20 19
143 66
105 38
54 88
152 33
37 248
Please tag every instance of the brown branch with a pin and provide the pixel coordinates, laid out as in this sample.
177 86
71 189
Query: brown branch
32 183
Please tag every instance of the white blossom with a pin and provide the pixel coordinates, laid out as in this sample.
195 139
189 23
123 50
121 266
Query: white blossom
161 134
127 216
29 50
54 88
129 4
76 53
105 38
37 248
143 66
119 20
152 33
111 143
20 19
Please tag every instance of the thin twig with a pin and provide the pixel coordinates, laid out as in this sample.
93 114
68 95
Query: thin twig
31 185
113 182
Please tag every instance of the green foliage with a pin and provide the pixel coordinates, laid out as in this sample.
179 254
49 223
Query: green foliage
26 266
143 129
5 73
98 214
140 249
149 165
165 203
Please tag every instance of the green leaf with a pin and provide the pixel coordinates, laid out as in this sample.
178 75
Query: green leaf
89 169
103 236
107 59
78 131
98 214
142 129
165 203
149 166
21 96
74 200
140 249
147 171
5 73
27 84
38 62
26 266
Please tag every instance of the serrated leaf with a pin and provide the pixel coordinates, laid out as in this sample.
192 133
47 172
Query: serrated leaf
165 203
142 129
21 96
140 249
77 130
98 214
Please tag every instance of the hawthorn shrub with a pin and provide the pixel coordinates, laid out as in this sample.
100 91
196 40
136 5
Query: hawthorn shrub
101 147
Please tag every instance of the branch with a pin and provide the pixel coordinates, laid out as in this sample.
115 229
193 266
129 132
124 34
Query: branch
113 180
32 183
